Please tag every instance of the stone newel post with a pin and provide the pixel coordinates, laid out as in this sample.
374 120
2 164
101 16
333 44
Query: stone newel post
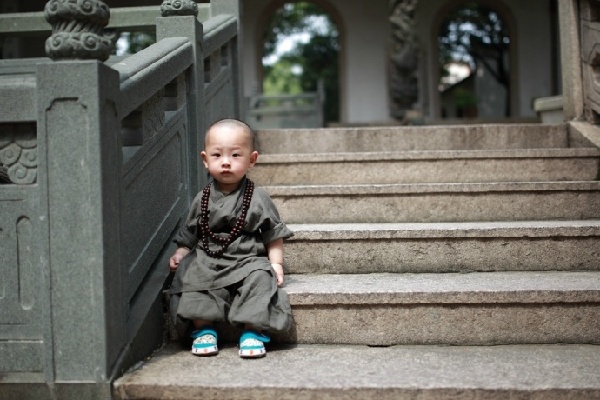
78 117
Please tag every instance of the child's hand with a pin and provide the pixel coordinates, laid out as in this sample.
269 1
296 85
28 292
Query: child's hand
278 273
176 258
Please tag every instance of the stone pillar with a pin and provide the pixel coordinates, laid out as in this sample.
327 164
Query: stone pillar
589 15
77 116
570 53
179 20
404 60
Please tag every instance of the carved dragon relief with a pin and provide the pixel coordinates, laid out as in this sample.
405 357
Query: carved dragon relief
404 56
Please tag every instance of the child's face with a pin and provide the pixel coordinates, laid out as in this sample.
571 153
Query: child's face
228 155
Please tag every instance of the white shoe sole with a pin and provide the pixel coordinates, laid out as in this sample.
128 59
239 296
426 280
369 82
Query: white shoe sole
205 351
252 353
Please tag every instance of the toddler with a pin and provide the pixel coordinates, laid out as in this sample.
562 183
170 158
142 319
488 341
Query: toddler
228 262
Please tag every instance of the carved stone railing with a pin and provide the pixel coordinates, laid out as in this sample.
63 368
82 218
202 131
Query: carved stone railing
102 162
285 111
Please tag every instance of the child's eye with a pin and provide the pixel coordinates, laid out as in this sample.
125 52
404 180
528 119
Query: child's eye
236 155
216 155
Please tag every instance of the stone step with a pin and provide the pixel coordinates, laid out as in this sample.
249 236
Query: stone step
479 308
446 137
437 202
443 247
345 372
521 165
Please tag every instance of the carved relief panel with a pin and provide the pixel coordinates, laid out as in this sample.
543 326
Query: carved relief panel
21 275
18 153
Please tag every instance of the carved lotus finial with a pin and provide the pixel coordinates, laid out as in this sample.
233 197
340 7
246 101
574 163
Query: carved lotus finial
77 29
170 8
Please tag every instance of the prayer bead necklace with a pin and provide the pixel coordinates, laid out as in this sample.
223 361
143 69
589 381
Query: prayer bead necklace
235 232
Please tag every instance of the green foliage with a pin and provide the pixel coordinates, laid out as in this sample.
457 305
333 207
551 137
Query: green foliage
465 98
319 61
140 40
280 78
291 18
136 41
315 60
476 35
473 34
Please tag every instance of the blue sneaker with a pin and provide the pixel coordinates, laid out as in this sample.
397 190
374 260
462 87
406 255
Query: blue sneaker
252 344
205 342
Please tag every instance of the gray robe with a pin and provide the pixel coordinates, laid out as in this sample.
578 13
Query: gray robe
198 272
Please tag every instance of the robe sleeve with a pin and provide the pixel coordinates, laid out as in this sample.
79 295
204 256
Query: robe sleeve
266 218
187 236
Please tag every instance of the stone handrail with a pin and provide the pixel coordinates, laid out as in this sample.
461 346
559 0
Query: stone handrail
121 19
142 74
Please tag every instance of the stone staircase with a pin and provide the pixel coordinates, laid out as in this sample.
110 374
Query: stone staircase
427 263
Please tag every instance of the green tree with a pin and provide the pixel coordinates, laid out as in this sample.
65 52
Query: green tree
476 35
135 41
282 78
314 60
290 19
319 62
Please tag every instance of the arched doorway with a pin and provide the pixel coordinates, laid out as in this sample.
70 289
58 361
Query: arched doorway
300 48
475 56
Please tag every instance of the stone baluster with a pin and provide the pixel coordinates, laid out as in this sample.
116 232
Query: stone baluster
179 19
77 29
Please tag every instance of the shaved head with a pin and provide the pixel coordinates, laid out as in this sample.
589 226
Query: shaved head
232 123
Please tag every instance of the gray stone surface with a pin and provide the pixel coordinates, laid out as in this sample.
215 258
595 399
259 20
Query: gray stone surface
443 137
427 166
587 131
443 247
444 202
361 372
451 288
18 100
457 309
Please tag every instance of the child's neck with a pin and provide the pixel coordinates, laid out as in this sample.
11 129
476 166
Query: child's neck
228 187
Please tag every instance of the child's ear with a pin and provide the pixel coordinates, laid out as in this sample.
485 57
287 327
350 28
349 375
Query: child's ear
253 158
204 158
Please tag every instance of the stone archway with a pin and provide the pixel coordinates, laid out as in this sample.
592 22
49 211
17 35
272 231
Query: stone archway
336 20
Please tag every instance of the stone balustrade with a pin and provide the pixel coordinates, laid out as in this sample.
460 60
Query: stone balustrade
101 155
